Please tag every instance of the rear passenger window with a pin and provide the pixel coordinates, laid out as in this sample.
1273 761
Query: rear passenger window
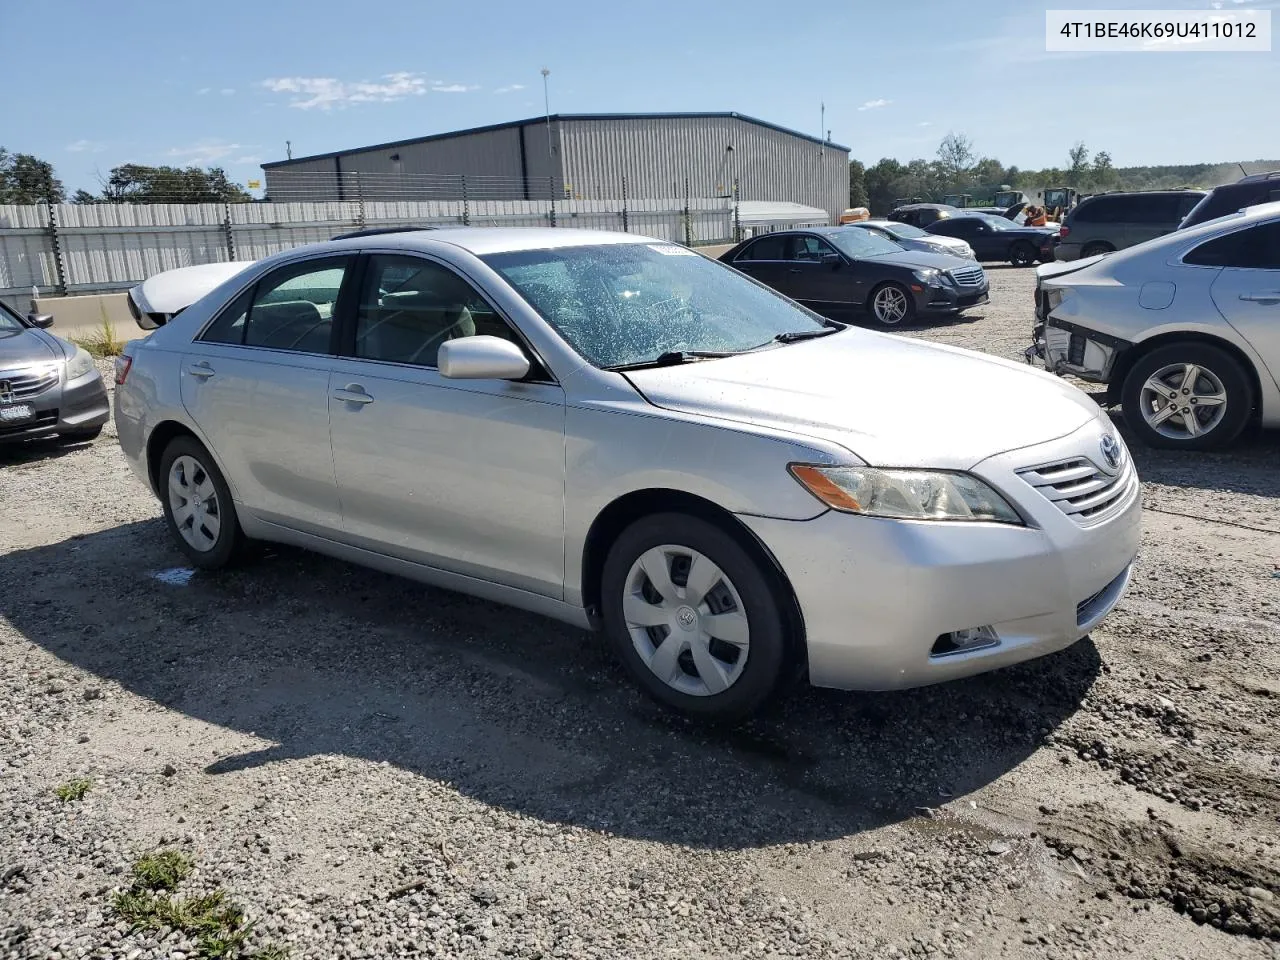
766 248
1257 248
289 309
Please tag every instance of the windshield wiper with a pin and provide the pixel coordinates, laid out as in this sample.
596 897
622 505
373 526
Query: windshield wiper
673 357
792 336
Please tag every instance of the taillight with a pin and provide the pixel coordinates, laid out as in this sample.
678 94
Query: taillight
123 365
1063 230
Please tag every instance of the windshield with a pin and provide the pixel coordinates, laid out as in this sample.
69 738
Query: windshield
9 325
627 303
996 223
903 231
859 244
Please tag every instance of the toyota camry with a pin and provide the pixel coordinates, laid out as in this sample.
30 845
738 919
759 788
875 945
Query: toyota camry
631 437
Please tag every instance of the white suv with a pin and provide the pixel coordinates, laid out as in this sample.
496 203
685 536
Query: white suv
1184 329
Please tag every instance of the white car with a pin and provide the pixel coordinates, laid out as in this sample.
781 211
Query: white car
1183 329
913 238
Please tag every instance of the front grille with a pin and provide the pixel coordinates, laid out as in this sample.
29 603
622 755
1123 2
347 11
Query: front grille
24 384
968 276
1080 489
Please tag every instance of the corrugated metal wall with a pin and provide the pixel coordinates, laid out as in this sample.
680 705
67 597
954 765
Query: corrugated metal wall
656 154
589 158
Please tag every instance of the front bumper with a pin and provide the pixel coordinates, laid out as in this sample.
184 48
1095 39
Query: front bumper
941 299
73 406
1068 348
876 595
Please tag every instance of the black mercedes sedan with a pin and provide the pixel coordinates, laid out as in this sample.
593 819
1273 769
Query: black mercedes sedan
845 270
48 386
997 238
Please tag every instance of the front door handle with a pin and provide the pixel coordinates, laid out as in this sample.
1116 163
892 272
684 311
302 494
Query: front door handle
1269 297
201 370
352 393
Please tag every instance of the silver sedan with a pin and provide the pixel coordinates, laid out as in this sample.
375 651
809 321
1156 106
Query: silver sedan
628 436
913 238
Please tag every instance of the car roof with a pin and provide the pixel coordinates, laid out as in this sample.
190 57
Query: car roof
482 241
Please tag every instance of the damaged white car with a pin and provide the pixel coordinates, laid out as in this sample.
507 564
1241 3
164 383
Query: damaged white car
1184 330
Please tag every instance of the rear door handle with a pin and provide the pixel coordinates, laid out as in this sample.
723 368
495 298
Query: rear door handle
1270 297
352 393
201 370
795 270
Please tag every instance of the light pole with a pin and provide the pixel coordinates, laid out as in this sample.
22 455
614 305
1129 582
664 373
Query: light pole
546 107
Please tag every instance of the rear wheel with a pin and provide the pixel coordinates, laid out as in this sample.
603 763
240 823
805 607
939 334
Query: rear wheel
892 304
1022 254
1187 396
694 618
197 505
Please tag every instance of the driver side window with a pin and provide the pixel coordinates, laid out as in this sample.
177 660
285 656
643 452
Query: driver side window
409 306
808 248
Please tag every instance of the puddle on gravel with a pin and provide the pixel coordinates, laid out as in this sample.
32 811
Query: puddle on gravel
175 576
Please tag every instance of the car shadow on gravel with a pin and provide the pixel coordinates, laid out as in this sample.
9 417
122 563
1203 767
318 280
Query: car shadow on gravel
31 452
297 655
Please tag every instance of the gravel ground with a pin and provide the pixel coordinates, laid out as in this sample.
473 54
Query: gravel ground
371 768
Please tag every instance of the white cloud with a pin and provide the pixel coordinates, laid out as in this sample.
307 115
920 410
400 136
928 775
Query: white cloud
248 158
512 88
326 93
86 146
452 88
205 152
925 123
228 91
875 104
202 91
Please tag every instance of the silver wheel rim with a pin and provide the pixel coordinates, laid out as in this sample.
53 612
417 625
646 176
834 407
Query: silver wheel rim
686 620
1183 401
890 305
193 500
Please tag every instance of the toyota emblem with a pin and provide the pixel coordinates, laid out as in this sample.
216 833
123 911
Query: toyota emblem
1110 451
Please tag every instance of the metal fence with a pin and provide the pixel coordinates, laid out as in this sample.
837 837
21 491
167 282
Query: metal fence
95 248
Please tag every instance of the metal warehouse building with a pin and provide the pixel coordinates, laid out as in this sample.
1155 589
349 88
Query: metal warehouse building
582 156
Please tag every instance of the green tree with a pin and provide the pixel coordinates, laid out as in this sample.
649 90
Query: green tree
25 178
858 184
1078 164
881 181
1104 173
137 183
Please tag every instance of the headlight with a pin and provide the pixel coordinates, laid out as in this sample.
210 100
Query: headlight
928 277
80 364
905 494
967 252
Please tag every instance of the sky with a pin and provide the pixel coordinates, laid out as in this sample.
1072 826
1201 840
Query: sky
227 84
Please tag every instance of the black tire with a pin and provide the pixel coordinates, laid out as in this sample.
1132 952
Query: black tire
1095 248
1233 377
230 542
81 436
769 666
1022 254
906 318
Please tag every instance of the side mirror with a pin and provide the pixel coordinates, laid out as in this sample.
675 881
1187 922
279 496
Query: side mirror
832 259
481 358
40 320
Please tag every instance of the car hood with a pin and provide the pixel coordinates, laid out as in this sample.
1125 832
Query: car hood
918 259
889 400
25 347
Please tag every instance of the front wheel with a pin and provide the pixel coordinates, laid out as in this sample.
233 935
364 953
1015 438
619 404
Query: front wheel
892 304
694 618
197 505
1022 254
1187 396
